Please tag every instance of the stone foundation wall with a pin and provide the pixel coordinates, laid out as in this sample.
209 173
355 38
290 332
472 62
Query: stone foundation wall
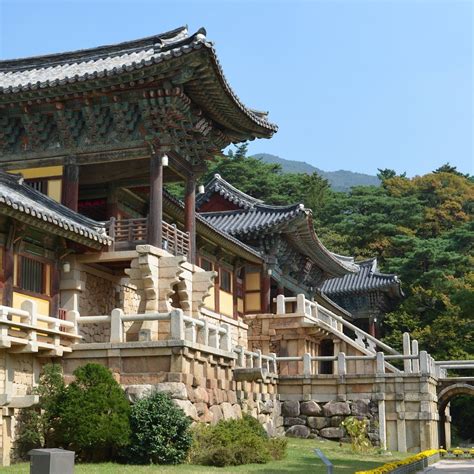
310 419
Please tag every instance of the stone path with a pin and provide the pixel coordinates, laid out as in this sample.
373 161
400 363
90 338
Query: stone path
452 467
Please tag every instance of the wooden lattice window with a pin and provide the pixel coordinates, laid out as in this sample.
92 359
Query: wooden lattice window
32 275
40 185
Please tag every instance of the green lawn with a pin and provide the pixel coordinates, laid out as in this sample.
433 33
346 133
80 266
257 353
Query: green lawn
300 459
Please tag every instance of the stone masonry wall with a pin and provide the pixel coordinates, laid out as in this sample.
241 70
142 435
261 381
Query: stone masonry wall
310 419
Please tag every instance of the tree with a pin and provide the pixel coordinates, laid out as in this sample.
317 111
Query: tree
94 414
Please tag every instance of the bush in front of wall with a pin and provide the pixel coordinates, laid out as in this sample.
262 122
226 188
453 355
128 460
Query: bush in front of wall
160 432
358 432
94 415
235 442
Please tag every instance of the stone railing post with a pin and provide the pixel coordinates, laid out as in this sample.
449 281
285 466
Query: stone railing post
31 308
226 341
281 307
177 324
73 317
415 363
274 362
203 334
307 363
424 363
4 328
300 304
406 352
341 364
240 357
258 359
190 331
213 337
116 325
380 363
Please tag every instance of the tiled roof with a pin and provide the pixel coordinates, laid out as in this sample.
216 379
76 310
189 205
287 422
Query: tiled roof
254 218
228 192
55 70
21 198
368 278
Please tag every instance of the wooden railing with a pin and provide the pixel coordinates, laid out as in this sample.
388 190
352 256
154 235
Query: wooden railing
127 233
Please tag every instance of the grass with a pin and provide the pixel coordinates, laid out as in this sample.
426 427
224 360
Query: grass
301 459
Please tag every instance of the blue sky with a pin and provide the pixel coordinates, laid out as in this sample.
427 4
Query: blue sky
352 84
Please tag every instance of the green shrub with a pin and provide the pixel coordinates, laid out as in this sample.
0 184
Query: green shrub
94 415
277 448
160 432
37 426
234 442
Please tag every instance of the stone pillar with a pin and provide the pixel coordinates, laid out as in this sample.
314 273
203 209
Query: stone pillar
70 186
190 216
155 218
71 286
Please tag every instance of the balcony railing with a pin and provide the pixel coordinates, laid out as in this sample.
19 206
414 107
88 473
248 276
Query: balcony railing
128 233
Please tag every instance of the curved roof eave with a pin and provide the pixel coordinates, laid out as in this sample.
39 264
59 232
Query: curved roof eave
56 70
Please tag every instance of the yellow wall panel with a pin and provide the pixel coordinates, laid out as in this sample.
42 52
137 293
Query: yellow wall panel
226 303
32 173
210 301
54 189
252 302
240 305
41 305
252 281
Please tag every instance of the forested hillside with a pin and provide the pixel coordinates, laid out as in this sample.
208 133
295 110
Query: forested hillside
341 180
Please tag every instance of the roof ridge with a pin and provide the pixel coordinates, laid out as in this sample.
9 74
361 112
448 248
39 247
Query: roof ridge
116 48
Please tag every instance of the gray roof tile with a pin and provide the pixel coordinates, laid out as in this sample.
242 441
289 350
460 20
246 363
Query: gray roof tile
20 197
368 278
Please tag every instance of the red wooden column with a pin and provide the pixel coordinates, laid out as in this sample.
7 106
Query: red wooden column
190 216
70 186
155 218
7 277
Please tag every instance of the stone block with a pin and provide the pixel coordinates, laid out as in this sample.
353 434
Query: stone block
201 395
227 411
337 420
318 422
336 408
310 408
237 410
201 408
231 397
332 433
188 408
298 431
360 407
290 408
291 421
217 414
137 392
266 407
174 389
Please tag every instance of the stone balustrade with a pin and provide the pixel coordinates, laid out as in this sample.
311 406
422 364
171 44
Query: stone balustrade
182 327
27 330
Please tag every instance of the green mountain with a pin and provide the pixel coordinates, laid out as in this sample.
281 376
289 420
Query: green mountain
341 180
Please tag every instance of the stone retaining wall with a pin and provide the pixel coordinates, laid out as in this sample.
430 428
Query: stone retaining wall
310 419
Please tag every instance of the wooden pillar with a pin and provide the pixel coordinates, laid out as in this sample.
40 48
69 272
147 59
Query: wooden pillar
372 331
190 216
155 218
55 278
112 202
70 186
266 286
8 270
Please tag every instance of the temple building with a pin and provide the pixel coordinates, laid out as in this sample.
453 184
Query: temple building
215 299
368 294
